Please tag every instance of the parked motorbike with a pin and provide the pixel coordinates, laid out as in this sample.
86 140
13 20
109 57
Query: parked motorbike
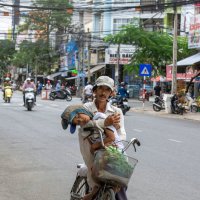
29 98
8 94
61 94
190 104
158 104
176 107
195 105
120 102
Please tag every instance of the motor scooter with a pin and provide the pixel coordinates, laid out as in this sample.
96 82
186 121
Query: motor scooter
87 98
8 94
61 94
120 102
29 98
158 104
176 107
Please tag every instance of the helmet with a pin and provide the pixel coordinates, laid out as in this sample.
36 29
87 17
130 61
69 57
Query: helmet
7 78
28 79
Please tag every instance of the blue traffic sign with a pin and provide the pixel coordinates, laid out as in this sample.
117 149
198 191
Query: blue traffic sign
145 70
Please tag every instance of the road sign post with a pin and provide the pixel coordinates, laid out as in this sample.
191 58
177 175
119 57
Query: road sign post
145 70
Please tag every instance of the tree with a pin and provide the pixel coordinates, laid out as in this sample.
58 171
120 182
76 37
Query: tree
33 54
154 48
7 49
51 16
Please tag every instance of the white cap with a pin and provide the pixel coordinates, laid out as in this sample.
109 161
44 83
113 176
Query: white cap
105 80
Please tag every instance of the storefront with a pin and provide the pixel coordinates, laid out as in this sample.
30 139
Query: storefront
186 69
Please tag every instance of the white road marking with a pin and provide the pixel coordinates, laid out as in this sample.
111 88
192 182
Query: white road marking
137 130
172 140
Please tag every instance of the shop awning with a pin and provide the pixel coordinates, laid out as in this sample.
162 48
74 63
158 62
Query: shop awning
71 78
96 68
159 79
189 60
52 76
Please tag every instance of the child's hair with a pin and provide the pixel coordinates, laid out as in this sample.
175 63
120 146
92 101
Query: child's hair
70 112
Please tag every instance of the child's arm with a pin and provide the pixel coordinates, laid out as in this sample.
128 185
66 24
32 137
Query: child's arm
110 137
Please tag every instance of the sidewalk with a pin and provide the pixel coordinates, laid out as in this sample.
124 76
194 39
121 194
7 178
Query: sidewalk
137 106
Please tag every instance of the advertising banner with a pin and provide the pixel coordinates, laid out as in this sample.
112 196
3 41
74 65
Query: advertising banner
194 32
126 52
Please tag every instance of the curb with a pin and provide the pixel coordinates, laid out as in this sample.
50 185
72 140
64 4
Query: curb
186 116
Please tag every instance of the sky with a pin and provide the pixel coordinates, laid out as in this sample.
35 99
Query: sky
5 21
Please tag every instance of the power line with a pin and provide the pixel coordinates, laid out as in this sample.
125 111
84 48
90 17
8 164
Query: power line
108 9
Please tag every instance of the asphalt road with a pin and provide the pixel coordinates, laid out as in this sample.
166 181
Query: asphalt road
38 158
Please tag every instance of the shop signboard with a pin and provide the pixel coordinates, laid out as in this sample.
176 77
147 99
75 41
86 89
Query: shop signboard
126 52
194 32
184 76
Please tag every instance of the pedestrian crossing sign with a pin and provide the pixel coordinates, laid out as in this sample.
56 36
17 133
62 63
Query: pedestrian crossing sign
145 70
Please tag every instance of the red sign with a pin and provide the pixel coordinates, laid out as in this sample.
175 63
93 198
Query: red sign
184 76
121 60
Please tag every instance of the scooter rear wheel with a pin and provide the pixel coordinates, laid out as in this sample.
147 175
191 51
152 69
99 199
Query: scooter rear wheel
51 97
194 108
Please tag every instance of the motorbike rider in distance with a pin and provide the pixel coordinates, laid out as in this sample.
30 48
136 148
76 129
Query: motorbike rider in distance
157 89
58 89
87 92
122 91
6 83
28 84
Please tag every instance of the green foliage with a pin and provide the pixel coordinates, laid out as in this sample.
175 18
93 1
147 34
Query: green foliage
35 54
154 48
7 49
43 22
48 20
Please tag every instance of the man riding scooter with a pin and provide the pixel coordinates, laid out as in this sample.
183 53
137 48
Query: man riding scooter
87 92
8 85
28 84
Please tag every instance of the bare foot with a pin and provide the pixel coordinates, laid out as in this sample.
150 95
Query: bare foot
91 194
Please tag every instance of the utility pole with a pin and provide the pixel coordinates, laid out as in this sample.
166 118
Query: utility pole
15 16
117 66
174 67
89 56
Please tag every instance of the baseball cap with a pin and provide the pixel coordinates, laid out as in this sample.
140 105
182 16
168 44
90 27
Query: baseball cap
105 81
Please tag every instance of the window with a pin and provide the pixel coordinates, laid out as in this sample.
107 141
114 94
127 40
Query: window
118 23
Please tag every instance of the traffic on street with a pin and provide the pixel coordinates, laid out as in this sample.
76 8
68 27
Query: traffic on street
39 158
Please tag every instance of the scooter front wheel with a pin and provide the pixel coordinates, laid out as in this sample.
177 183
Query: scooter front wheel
29 106
68 97
156 108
